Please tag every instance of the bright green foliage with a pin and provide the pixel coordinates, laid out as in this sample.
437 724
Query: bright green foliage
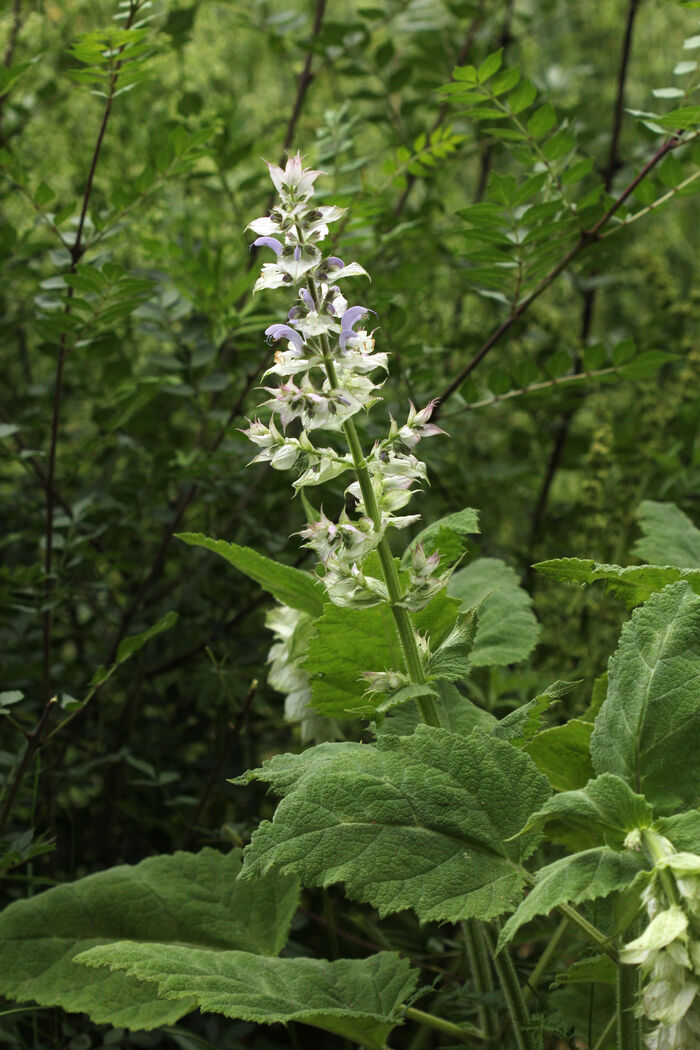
563 753
358 999
634 583
289 585
447 535
524 723
581 877
507 629
670 538
648 729
422 822
457 713
605 810
192 900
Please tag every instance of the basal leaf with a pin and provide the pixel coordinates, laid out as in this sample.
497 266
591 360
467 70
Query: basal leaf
648 729
417 822
358 999
670 538
507 629
633 583
581 877
193 900
289 585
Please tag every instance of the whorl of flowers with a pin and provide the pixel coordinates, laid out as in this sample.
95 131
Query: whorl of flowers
668 951
325 362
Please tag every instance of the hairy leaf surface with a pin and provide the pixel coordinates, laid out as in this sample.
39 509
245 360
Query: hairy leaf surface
191 899
581 877
633 583
670 538
606 809
507 629
355 998
417 822
648 728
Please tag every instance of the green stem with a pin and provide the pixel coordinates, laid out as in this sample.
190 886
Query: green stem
628 1027
517 1007
463 1032
407 636
480 966
545 958
606 1033
657 852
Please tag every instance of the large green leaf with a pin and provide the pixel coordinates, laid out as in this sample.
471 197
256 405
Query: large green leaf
507 630
670 538
447 535
290 586
605 810
190 899
648 729
581 877
420 822
349 641
359 999
634 583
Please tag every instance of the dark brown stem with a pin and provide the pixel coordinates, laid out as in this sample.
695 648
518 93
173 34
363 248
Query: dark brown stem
586 238
589 301
76 253
234 731
305 77
33 744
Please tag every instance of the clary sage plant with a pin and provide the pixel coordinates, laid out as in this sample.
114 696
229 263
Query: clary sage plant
447 810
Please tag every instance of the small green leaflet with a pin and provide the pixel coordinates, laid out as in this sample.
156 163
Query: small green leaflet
457 713
447 535
634 583
127 648
597 969
507 629
357 999
525 722
606 809
581 877
423 822
452 659
648 729
669 536
562 752
193 900
289 585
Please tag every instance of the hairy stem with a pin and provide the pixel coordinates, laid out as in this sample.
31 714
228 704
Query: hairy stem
463 1032
510 985
480 966
407 636
628 1026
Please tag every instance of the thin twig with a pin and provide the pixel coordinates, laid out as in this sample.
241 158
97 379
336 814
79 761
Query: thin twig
33 742
234 731
586 238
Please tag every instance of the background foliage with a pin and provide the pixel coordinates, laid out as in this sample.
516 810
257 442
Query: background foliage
132 351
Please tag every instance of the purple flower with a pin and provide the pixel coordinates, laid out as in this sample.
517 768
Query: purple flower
269 242
308 300
335 263
349 318
283 331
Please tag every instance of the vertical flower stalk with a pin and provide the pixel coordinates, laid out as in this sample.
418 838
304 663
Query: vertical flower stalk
668 951
325 367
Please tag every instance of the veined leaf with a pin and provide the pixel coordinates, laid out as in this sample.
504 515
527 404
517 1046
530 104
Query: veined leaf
507 629
447 535
289 585
562 752
633 583
648 728
597 969
358 999
191 899
670 538
525 722
581 877
457 713
606 809
417 822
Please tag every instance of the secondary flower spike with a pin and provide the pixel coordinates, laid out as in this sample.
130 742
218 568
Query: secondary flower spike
326 374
